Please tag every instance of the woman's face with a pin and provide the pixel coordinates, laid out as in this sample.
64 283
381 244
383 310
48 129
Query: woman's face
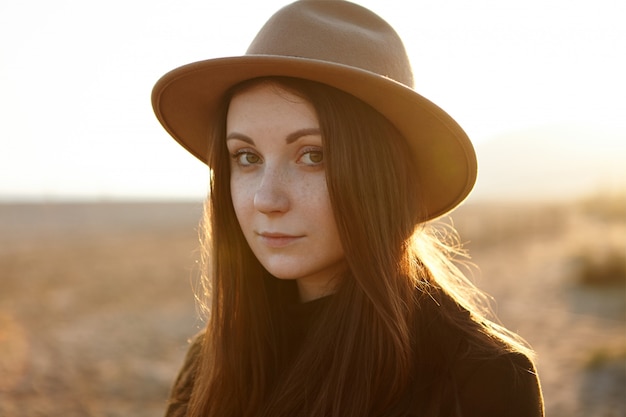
278 187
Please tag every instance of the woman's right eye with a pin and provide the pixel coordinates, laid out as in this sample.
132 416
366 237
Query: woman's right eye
246 158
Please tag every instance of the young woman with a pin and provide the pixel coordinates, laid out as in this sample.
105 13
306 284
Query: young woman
328 293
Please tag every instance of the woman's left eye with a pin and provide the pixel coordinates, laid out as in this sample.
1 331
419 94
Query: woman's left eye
312 157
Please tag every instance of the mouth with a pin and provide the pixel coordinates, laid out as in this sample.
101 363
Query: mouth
277 240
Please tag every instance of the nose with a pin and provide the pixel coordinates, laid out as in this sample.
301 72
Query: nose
272 195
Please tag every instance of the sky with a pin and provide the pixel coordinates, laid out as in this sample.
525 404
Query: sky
76 77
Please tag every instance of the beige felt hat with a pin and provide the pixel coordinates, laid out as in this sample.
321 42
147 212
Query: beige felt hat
343 45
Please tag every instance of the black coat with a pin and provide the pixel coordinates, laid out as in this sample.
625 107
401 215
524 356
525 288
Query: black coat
458 382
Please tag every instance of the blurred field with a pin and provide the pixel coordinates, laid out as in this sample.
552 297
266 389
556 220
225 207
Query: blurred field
96 301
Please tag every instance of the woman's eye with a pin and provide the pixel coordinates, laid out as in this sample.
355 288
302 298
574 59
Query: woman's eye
312 157
245 158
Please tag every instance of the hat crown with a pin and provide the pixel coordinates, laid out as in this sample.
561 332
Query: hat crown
335 31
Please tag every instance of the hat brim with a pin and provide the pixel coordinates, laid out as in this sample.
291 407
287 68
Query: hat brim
185 100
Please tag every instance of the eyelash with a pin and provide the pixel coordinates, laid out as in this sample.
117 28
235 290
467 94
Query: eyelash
237 156
312 150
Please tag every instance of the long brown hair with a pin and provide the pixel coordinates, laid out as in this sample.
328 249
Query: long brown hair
361 352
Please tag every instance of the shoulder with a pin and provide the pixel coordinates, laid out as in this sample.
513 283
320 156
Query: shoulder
506 384
183 385
474 372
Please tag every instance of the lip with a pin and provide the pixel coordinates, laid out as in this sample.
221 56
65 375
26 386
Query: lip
277 240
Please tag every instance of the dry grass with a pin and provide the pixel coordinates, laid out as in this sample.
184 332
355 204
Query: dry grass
605 355
607 270
606 206
96 303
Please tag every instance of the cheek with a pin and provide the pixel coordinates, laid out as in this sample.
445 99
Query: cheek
240 197
318 191
317 201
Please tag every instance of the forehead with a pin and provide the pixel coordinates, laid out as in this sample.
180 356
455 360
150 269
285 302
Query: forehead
269 104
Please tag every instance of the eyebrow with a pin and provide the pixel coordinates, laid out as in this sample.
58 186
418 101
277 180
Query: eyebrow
291 138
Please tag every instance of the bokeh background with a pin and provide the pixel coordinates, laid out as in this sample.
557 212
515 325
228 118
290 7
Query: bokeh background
99 207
